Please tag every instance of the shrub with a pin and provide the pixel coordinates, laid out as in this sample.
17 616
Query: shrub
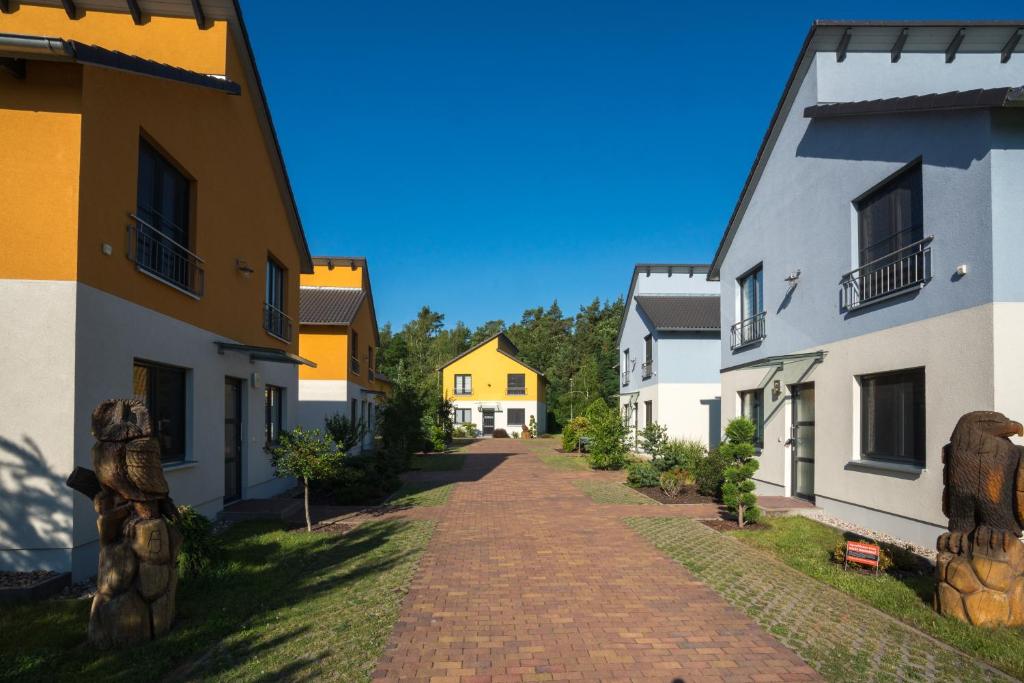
515 435
401 420
709 473
436 439
364 479
607 434
533 427
738 489
200 548
307 456
464 431
642 473
500 434
684 453
574 429
653 438
345 433
672 481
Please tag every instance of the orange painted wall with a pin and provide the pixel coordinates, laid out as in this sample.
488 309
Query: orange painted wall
327 346
40 142
239 211
342 275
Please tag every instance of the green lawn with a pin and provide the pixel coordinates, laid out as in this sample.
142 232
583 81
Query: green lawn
421 494
612 492
807 546
565 462
286 605
438 462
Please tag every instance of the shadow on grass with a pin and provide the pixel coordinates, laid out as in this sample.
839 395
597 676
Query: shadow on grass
269 571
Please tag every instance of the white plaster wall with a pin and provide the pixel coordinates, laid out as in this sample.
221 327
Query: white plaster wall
37 411
537 409
957 352
690 411
319 399
1008 330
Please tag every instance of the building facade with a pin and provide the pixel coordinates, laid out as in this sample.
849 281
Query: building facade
669 346
492 388
151 249
869 295
338 332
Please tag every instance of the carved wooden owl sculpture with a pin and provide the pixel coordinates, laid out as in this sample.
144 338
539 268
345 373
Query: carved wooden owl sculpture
126 457
984 485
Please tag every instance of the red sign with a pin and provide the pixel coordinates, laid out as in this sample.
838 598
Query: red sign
866 554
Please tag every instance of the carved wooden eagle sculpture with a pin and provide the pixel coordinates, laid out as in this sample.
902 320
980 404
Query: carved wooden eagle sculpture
984 483
126 457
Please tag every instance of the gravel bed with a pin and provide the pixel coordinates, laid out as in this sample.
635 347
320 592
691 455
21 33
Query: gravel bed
24 579
927 553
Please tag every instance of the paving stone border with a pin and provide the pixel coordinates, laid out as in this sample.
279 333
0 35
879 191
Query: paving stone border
843 638
610 492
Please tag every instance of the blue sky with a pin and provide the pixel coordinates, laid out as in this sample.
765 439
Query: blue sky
491 156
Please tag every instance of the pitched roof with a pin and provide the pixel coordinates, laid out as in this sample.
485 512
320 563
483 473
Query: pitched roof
512 352
690 269
329 305
682 313
986 98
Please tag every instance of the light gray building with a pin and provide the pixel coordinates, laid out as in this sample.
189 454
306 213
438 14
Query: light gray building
869 272
668 351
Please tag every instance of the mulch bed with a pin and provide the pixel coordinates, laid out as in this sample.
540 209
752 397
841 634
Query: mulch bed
688 496
730 525
24 579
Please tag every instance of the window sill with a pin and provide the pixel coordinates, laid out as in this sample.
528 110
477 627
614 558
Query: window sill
886 467
179 465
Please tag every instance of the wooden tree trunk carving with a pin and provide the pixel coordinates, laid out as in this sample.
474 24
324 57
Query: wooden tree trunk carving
138 568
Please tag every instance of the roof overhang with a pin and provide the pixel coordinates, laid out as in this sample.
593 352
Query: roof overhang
987 98
894 37
264 354
688 269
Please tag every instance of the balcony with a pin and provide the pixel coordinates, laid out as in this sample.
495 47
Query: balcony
901 271
515 391
277 323
625 378
156 254
747 331
647 370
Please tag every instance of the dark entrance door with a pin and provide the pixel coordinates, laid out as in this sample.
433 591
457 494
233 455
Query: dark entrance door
488 421
803 441
232 439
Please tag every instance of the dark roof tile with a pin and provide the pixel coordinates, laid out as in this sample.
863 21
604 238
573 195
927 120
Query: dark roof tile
681 313
329 305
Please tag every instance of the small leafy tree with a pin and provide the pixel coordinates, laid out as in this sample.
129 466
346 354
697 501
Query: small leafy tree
307 456
345 432
576 427
738 489
653 439
401 421
607 433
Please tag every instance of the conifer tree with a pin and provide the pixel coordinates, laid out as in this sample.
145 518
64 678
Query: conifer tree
738 489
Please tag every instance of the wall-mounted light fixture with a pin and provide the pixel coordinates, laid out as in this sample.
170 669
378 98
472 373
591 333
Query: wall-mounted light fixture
243 267
793 277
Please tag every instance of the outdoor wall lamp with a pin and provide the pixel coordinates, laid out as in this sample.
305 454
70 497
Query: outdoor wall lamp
243 267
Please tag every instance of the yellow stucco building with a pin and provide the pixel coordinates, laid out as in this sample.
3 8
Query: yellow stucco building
338 332
150 247
492 388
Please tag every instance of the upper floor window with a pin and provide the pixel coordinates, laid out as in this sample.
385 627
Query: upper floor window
273 400
355 351
626 369
750 327
892 417
516 384
161 231
463 385
892 251
648 412
274 319
648 366
752 408
162 388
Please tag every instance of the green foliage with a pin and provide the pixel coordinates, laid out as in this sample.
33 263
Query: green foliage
574 429
532 426
200 548
464 431
684 453
345 433
307 456
436 441
673 481
607 434
653 439
709 473
642 473
500 434
738 488
365 479
401 420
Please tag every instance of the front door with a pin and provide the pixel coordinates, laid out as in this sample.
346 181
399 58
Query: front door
488 421
803 441
232 439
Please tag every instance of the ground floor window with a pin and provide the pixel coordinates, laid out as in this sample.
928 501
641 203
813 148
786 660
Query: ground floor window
516 417
892 417
463 416
162 388
752 408
648 412
273 400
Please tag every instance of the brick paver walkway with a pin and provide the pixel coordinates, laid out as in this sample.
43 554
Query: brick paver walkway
527 579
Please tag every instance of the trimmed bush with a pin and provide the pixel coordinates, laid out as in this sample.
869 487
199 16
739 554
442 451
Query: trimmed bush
642 473
607 438
709 473
575 428
200 548
365 479
672 481
684 453
500 434
738 489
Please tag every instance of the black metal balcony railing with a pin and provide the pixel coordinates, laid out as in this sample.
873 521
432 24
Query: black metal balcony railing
647 369
356 365
515 391
160 256
748 331
277 323
625 378
890 275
